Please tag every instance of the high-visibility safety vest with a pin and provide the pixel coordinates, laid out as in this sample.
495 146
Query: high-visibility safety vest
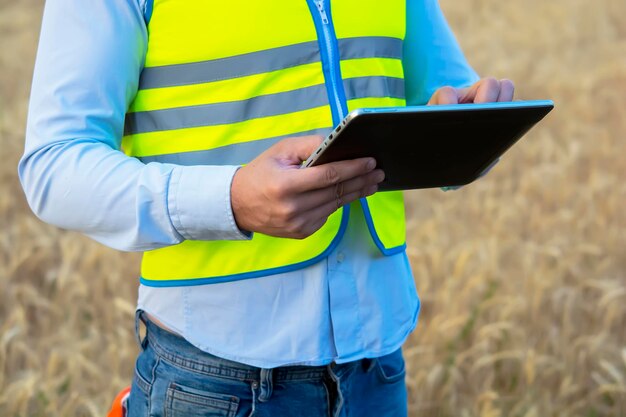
225 80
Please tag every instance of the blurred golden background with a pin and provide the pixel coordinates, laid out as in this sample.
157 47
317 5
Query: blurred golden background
522 274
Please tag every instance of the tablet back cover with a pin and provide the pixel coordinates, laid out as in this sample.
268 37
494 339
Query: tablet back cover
438 146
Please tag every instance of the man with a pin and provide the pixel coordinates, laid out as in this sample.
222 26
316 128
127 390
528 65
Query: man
266 289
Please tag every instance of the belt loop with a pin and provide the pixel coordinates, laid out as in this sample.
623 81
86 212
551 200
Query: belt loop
335 397
139 317
265 384
253 387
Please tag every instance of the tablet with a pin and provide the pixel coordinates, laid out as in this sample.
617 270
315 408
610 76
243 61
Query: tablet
430 146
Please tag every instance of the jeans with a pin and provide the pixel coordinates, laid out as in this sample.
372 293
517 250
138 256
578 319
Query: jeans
175 379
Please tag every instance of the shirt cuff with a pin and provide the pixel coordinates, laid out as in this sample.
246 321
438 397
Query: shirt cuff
199 203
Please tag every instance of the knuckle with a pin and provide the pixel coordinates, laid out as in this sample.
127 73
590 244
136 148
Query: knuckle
278 189
294 227
286 143
444 95
490 82
297 229
331 175
278 148
446 90
288 210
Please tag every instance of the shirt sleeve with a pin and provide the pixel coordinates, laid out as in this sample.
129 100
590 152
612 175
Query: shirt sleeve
432 57
73 173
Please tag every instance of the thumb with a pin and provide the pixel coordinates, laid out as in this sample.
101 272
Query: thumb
444 95
298 149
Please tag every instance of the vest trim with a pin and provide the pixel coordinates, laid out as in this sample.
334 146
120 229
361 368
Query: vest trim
260 273
265 61
260 106
370 225
235 154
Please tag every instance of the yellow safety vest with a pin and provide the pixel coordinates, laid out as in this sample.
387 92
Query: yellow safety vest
225 80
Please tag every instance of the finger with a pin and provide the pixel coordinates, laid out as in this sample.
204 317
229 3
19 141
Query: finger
329 208
487 91
318 225
444 95
467 94
309 228
507 90
296 149
329 174
482 91
316 198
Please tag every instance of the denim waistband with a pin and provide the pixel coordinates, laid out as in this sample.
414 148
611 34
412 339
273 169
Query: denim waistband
180 352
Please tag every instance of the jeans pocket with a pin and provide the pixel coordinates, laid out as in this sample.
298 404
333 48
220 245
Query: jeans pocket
390 368
139 399
184 401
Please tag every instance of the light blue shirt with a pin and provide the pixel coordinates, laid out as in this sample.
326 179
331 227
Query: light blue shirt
356 303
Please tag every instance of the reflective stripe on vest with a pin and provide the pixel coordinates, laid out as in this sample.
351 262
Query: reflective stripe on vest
265 61
260 106
244 81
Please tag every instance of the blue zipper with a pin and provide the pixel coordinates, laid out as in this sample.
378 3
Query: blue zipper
329 51
329 54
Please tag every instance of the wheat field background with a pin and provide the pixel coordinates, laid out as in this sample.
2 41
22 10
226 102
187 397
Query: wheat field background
522 274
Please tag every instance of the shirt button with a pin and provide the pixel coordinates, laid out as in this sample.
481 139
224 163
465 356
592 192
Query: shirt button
340 257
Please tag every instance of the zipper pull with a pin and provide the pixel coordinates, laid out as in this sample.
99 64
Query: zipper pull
320 8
